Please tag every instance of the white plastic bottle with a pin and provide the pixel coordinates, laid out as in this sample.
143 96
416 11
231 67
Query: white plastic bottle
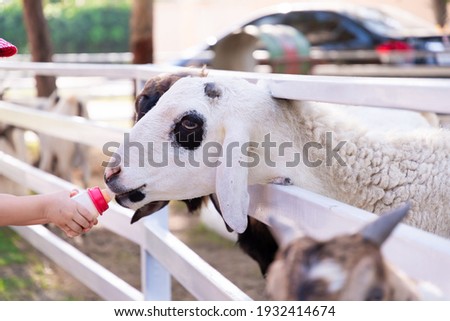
94 199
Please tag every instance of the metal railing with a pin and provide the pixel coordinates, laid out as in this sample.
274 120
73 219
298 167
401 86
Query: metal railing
419 254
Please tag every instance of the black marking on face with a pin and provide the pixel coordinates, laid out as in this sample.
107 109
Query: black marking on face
136 196
212 91
188 131
144 103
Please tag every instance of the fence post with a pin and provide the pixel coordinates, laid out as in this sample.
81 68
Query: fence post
156 281
139 84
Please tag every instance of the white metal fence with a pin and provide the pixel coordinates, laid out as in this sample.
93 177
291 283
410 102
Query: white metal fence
418 253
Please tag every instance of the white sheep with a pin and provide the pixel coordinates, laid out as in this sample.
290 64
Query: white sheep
346 267
340 156
59 156
12 142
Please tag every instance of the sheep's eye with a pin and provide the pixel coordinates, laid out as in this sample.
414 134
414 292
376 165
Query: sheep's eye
189 124
188 132
375 294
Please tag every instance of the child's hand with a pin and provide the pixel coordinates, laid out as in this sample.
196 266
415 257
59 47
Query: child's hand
69 215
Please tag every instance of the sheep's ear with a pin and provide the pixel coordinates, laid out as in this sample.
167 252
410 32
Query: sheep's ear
232 179
215 202
284 230
379 230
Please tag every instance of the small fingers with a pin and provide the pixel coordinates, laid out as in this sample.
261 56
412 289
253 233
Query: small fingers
69 232
81 220
75 227
94 222
86 215
74 192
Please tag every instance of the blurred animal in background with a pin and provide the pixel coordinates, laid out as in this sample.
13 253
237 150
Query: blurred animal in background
58 156
12 142
347 267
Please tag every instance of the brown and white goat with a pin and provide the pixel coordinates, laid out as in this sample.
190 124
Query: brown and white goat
347 267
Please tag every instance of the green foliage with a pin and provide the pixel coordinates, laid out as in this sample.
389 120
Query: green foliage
90 29
87 28
22 273
10 253
12 26
9 287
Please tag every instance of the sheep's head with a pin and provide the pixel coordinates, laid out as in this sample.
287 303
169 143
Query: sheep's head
348 267
190 145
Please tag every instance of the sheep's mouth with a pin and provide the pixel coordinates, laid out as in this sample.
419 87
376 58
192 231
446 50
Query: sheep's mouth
134 196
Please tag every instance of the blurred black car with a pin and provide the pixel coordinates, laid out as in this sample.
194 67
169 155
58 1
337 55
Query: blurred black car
342 34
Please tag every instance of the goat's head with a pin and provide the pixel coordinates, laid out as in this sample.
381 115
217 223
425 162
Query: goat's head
189 145
348 267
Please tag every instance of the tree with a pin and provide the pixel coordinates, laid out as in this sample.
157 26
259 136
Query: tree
440 12
39 43
141 28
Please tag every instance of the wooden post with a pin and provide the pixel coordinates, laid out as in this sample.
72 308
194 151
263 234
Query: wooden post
39 42
141 29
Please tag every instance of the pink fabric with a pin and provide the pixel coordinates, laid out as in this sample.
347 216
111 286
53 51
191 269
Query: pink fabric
7 49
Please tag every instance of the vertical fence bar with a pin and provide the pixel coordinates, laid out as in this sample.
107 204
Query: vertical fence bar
139 84
156 282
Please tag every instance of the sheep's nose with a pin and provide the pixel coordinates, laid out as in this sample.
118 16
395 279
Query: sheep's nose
111 172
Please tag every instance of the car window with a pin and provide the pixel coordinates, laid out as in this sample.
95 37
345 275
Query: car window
272 19
322 28
392 23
